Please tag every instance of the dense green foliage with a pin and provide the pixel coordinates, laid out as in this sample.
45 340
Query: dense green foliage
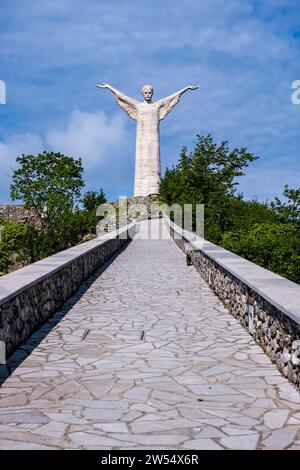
267 234
91 200
274 246
289 211
49 184
17 244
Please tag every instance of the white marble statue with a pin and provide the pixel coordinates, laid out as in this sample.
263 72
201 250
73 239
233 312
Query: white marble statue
147 114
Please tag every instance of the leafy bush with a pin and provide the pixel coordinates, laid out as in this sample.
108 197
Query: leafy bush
273 246
267 234
18 242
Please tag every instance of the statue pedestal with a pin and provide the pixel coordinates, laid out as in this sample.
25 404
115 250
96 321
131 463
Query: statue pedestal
137 208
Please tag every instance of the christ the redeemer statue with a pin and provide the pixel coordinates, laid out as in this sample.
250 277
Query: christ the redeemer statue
147 114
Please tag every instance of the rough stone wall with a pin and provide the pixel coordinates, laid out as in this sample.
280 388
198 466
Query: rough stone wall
17 213
141 207
138 208
275 332
28 310
110 224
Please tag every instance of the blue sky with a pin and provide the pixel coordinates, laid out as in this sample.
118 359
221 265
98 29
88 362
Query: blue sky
244 54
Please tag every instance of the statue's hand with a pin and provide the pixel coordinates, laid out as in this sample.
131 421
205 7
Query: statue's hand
193 87
103 85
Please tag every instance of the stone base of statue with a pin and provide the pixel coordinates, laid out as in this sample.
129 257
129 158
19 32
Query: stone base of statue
110 224
137 208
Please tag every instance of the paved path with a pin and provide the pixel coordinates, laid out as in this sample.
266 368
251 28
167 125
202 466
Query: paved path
193 380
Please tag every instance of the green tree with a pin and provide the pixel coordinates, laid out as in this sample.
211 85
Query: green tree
5 259
209 171
242 214
271 245
289 211
208 175
49 183
18 244
87 219
91 200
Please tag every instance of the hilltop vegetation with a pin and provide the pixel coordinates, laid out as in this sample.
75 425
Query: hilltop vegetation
267 234
50 185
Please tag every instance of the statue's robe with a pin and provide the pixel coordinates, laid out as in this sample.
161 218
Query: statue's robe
147 157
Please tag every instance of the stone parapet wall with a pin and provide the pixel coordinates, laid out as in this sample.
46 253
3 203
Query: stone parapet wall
246 289
31 295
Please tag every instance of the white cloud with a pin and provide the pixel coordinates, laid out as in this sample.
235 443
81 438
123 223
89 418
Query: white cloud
94 137
79 32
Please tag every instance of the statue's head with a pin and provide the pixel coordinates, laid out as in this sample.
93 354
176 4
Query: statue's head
147 92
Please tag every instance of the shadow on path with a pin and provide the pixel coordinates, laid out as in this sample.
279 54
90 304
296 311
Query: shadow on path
37 337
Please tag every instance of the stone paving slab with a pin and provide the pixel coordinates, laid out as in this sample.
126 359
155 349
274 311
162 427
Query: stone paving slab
163 366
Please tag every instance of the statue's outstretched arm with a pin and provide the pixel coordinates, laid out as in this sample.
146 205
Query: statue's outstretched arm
118 93
168 103
180 92
129 105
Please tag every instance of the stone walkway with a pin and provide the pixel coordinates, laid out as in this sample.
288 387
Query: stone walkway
147 357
